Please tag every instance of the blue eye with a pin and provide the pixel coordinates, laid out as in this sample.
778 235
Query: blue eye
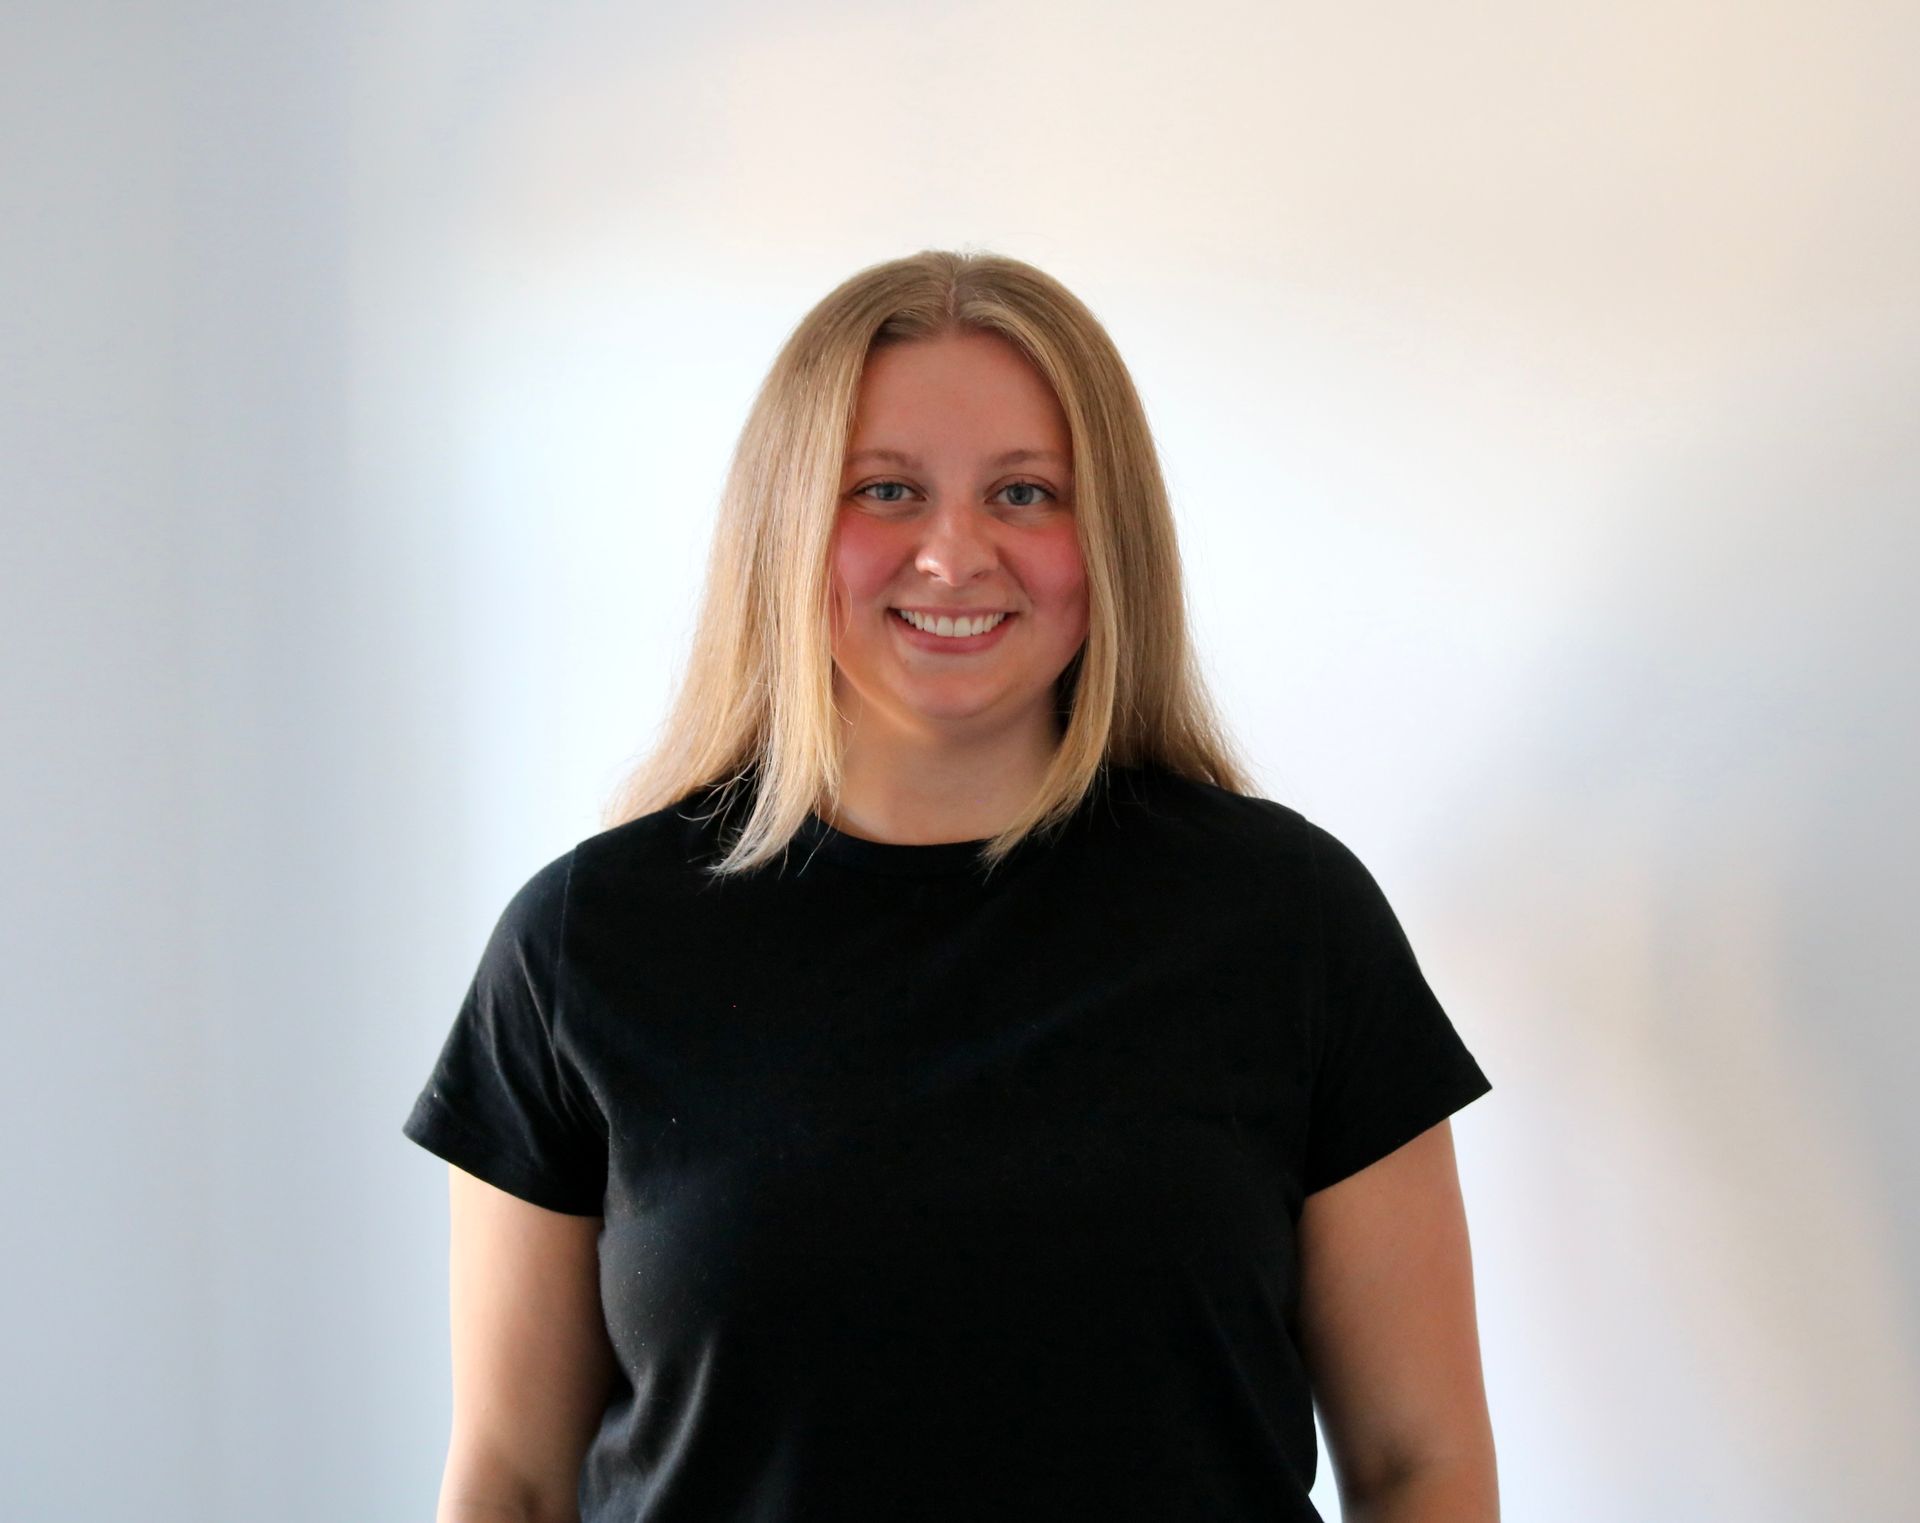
1029 486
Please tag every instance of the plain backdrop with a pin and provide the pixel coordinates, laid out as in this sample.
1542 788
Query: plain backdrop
1537 387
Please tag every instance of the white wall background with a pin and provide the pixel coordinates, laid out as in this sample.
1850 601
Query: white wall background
1538 386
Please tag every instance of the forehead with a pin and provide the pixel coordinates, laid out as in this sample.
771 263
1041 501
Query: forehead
958 392
914 462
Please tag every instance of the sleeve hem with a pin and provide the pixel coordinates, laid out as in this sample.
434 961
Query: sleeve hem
448 1137
1388 1138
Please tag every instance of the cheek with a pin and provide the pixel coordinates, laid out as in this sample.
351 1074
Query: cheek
1055 573
866 556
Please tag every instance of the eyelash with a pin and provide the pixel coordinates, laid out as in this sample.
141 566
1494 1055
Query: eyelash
1038 486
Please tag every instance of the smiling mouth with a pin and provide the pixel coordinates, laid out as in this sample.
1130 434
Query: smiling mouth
951 628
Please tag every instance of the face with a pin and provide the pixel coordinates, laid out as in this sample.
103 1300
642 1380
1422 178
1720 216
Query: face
938 518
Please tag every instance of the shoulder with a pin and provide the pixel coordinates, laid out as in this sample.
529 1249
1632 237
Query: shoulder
662 848
535 909
661 853
1182 819
1187 814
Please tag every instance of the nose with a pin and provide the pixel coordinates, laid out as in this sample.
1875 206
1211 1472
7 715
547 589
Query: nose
958 546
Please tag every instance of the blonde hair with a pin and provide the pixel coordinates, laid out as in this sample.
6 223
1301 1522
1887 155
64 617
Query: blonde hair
756 698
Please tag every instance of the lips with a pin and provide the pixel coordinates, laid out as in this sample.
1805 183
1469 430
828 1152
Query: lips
921 639
949 613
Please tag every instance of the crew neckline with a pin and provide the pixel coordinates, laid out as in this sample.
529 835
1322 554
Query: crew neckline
816 838
941 858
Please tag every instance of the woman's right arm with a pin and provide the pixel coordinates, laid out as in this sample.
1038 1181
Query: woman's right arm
532 1365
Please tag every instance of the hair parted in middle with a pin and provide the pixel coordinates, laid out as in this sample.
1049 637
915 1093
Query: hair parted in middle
756 697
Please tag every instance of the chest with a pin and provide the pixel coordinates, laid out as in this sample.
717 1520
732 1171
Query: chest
925 1108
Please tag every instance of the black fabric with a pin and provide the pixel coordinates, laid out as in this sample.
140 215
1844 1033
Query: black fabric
937 1194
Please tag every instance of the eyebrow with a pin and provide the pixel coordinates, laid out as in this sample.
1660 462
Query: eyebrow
1011 457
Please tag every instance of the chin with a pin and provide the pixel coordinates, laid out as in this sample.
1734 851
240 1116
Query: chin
988 709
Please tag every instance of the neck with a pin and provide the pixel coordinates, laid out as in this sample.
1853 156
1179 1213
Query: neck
921 789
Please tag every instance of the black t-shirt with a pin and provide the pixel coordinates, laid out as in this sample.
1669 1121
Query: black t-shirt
930 1193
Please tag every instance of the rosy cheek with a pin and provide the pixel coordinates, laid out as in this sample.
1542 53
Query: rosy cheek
867 555
1054 569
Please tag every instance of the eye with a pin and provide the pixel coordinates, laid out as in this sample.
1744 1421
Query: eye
1011 486
1029 486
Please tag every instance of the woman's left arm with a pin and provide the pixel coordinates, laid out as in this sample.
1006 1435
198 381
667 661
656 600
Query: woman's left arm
1391 1342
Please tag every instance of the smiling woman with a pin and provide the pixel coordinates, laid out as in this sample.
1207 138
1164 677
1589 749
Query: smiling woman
945 434
955 608
1053 1135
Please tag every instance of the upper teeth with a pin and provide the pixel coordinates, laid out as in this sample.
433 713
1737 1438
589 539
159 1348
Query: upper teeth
953 627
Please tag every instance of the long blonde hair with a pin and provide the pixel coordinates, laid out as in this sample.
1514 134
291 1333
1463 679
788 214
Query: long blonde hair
756 697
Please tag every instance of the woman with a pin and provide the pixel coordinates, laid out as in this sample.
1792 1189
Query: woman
945 1091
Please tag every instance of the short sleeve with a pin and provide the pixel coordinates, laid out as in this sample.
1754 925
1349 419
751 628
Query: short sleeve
1388 1063
504 1102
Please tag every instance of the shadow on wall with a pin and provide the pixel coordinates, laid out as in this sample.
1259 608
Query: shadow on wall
1705 906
